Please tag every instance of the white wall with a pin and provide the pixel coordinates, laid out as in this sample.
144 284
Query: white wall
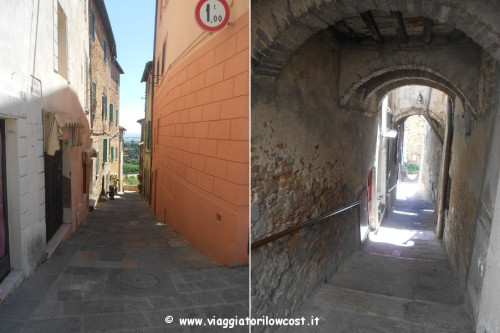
27 34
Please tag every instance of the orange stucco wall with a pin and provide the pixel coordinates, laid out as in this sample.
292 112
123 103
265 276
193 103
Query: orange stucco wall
201 133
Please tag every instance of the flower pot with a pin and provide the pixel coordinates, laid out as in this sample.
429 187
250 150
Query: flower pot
412 176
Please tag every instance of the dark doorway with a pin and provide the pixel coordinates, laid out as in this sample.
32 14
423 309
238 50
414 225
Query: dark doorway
53 193
4 230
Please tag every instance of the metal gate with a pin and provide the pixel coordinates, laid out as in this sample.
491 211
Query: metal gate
53 193
4 230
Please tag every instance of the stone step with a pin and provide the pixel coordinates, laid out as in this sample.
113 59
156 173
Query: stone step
426 280
346 310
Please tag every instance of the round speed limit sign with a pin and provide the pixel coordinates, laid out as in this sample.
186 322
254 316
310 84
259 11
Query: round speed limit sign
212 15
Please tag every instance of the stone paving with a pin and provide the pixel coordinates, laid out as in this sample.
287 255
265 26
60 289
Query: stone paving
400 281
125 271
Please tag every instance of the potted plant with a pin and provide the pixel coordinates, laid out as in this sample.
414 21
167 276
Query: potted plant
412 170
113 183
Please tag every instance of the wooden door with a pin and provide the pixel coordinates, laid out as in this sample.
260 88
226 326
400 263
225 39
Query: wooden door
53 193
4 229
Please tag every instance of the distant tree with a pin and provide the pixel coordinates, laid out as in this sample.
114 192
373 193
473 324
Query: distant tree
130 168
131 180
133 154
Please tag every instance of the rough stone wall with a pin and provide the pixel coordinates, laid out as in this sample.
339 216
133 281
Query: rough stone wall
467 171
481 265
430 164
308 158
414 138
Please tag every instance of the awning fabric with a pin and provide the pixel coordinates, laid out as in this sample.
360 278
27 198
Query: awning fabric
87 155
59 126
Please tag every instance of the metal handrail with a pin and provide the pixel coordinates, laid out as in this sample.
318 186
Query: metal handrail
268 239
392 188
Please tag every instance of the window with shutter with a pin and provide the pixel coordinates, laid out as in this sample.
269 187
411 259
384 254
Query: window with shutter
163 57
104 50
157 70
105 151
110 113
93 101
103 104
97 165
61 51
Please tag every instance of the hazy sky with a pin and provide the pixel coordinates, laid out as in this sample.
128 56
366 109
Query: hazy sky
132 22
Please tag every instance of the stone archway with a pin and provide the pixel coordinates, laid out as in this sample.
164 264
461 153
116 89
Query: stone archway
278 28
316 86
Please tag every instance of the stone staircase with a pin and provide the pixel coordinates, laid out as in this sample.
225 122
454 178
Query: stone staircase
400 281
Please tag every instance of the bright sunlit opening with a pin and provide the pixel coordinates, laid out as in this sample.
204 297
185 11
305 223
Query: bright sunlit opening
404 213
393 236
406 190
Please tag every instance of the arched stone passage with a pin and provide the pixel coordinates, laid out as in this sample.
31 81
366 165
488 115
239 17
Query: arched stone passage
311 153
282 27
369 71
413 111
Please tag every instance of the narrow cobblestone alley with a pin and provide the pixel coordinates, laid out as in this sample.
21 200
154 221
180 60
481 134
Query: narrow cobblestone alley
125 271
400 281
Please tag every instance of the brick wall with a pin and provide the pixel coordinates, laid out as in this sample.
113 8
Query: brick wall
308 158
200 137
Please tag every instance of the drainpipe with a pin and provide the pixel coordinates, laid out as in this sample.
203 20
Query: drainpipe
445 167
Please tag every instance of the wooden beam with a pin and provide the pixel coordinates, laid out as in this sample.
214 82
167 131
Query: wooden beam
400 27
346 31
427 30
372 26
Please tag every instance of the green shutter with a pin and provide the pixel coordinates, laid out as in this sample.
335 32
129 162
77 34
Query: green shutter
112 154
110 113
163 57
106 107
116 117
93 101
102 106
105 150
116 153
149 134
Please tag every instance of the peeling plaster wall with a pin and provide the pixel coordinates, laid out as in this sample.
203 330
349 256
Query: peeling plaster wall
308 158
482 262
467 172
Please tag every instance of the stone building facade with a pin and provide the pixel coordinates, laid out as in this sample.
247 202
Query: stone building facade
145 145
200 129
106 135
422 111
